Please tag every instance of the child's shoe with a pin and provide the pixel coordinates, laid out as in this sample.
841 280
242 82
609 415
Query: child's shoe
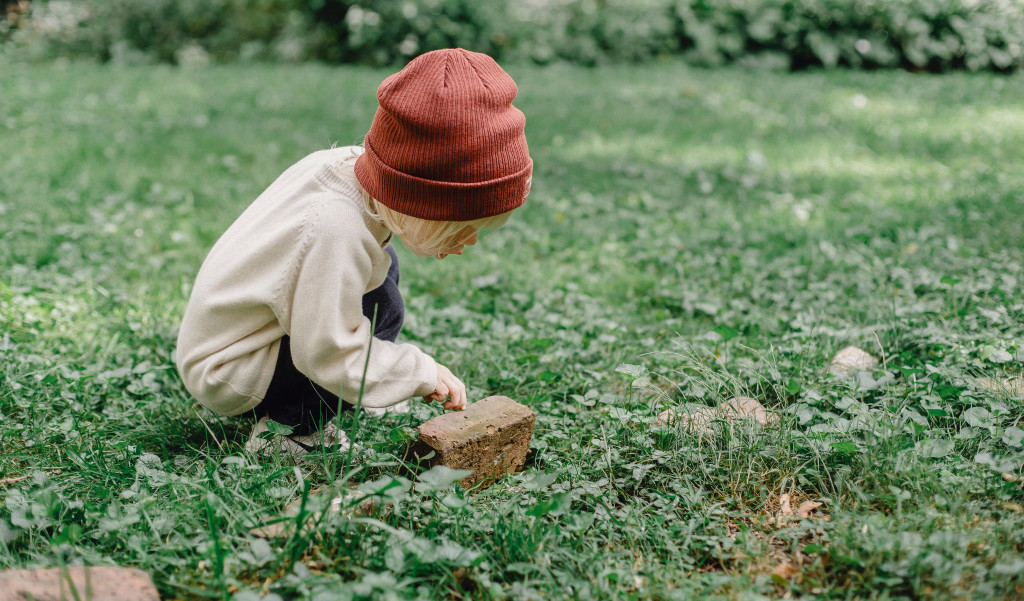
296 445
400 408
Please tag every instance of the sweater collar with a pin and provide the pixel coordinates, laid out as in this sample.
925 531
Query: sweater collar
352 192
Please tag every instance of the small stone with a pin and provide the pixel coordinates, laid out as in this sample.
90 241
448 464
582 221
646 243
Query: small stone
698 422
746 407
490 438
850 360
1008 386
102 583
351 503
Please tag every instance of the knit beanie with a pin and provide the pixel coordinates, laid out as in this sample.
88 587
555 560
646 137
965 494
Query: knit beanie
446 143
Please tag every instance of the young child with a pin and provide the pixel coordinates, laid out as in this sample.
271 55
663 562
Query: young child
279 320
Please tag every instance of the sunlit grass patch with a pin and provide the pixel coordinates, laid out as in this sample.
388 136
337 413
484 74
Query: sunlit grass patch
715 233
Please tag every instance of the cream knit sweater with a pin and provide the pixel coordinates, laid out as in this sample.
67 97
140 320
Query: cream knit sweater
296 262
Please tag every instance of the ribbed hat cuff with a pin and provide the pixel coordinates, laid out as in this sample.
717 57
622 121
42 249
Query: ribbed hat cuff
439 200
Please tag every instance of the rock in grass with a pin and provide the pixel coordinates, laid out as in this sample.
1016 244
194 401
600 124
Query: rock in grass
490 438
1008 386
851 360
103 583
351 503
699 421
747 408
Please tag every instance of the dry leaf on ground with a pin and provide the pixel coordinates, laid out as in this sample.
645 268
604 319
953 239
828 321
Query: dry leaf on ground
784 507
786 570
803 511
806 508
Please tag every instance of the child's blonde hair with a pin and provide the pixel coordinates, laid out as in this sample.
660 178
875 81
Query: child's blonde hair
427 234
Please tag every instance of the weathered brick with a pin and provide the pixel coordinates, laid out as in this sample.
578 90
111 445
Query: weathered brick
491 438
102 583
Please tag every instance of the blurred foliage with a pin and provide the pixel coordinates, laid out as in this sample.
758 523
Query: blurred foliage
932 35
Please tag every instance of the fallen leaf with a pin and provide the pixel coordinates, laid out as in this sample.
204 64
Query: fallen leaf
786 570
14 479
785 508
805 509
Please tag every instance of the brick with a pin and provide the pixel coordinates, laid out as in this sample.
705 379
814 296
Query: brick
491 438
104 583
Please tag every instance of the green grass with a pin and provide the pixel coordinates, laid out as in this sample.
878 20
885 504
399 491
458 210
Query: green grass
791 214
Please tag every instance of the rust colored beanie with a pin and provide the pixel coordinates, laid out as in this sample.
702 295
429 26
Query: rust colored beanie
446 143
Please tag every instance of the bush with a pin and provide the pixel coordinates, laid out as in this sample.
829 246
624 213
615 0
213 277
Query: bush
933 35
172 31
591 31
390 31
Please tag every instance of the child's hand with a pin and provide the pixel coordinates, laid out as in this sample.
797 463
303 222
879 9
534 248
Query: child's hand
448 385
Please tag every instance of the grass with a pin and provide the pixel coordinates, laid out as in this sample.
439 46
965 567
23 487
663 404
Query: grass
691 235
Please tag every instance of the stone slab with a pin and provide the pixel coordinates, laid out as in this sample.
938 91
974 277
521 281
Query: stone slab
491 438
101 583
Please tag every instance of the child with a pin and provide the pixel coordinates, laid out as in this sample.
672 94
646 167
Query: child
279 320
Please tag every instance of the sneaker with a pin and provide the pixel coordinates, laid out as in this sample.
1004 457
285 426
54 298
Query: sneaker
296 445
397 409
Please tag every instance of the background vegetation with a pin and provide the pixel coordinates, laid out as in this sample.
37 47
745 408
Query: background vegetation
692 235
932 35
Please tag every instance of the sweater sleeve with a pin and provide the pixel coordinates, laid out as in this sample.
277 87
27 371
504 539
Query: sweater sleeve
321 309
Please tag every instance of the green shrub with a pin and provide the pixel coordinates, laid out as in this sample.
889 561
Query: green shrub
591 31
933 35
391 31
167 30
930 35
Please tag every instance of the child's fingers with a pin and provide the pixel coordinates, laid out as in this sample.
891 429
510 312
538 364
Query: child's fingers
455 405
458 400
450 386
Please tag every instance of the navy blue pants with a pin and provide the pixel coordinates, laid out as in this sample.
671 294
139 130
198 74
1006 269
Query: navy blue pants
295 400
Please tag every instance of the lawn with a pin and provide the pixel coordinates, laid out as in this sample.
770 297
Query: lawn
691 236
